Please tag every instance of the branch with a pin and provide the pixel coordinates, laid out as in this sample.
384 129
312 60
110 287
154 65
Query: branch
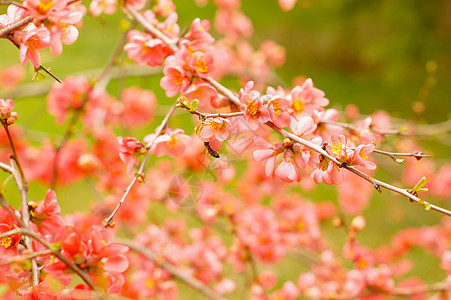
353 127
205 115
23 257
109 221
236 101
10 29
173 270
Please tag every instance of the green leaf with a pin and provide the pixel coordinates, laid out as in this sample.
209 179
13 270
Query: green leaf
420 184
194 105
39 76
198 128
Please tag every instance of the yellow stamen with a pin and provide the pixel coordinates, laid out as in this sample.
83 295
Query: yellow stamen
6 242
216 126
337 147
298 105
44 6
363 155
200 65
252 108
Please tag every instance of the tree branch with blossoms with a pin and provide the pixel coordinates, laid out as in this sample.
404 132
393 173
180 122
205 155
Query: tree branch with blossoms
238 103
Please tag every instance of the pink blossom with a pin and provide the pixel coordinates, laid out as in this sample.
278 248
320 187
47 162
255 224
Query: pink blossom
267 279
144 49
287 5
201 63
42 9
255 112
287 170
328 172
13 15
63 31
268 155
46 215
96 7
215 131
32 39
307 99
336 147
173 142
359 157
129 150
6 106
137 106
201 91
278 110
175 79
225 286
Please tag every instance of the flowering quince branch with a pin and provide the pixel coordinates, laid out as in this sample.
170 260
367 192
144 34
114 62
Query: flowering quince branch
108 222
237 102
173 270
418 155
29 233
182 103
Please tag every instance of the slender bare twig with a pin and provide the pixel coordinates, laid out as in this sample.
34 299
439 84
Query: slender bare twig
173 270
108 221
23 257
418 155
353 127
234 99
22 186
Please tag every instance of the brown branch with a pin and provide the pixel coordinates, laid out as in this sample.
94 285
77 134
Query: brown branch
108 221
4 33
353 127
173 270
23 257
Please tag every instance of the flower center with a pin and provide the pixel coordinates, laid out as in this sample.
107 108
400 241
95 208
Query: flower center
172 142
298 105
44 6
337 147
252 108
6 242
200 65
33 43
363 155
216 126
277 109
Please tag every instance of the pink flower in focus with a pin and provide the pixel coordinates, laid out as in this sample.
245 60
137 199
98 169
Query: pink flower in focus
202 64
328 172
307 99
215 131
175 79
173 143
41 9
268 155
32 39
359 157
47 215
255 112
278 110
6 106
129 150
13 15
336 147
287 170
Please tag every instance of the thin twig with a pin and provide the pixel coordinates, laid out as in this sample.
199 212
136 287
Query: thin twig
371 128
108 221
10 29
206 116
173 270
23 257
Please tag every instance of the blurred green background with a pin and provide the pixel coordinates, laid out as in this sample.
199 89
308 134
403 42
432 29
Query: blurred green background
377 54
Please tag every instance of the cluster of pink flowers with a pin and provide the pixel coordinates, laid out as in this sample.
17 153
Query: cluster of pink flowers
55 25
